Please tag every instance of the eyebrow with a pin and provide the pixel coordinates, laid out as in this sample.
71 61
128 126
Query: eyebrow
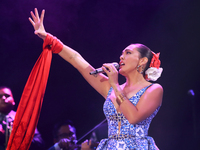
126 50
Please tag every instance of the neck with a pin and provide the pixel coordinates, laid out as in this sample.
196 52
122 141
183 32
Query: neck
134 79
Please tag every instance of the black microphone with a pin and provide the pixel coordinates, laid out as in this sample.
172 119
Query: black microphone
100 70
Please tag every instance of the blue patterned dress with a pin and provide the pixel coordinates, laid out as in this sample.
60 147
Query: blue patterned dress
131 136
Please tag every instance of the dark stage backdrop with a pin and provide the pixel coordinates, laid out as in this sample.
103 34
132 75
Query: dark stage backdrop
100 30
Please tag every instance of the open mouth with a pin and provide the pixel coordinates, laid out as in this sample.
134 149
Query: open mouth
121 64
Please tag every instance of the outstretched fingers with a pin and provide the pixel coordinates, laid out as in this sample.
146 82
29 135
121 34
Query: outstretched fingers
33 16
42 15
36 14
33 19
37 23
32 22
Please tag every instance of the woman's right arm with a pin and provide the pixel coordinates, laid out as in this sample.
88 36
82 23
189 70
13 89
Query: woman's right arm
99 82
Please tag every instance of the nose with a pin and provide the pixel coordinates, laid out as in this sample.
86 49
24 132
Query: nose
121 57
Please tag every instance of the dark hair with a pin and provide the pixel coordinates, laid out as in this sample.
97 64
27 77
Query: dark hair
144 52
58 125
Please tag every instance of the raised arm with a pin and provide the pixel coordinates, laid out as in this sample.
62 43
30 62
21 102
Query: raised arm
98 82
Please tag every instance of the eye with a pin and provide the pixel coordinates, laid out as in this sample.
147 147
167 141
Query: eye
6 95
127 52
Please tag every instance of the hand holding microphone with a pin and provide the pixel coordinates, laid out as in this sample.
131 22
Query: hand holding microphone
100 70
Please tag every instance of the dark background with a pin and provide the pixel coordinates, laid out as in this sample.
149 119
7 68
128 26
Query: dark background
100 30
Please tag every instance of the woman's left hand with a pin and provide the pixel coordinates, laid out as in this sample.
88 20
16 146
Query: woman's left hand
111 72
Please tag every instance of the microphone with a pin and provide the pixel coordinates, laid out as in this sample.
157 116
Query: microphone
100 70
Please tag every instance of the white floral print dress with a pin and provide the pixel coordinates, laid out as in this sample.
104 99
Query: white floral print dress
131 136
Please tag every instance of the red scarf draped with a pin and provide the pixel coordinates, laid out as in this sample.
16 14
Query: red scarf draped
29 108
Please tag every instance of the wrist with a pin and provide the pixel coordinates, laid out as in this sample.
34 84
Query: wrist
120 98
115 86
42 35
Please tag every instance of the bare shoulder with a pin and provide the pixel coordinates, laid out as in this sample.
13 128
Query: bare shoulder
154 93
155 88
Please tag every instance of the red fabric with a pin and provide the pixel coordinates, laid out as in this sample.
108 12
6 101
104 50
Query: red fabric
29 108
155 62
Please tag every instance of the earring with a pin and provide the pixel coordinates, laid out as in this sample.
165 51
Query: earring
138 69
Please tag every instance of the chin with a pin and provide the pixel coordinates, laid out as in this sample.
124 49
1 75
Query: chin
122 72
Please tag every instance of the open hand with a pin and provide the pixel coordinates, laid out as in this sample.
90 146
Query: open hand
37 23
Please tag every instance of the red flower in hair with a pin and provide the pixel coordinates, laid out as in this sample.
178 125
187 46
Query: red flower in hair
155 62
154 72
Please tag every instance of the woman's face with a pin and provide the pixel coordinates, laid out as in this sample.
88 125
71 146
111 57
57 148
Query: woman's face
129 59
